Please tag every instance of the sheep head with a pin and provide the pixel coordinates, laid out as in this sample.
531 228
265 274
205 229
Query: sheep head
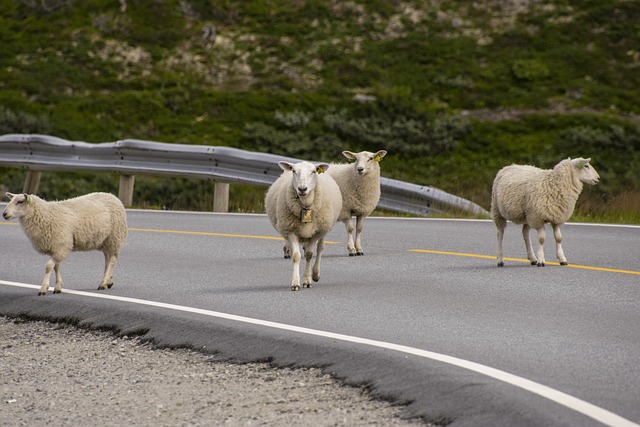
365 161
586 173
305 176
17 206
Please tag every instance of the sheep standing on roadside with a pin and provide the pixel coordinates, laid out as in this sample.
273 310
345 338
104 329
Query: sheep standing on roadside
303 205
532 197
359 184
95 221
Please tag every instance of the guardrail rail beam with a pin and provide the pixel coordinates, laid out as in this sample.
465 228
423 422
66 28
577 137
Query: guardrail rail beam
130 157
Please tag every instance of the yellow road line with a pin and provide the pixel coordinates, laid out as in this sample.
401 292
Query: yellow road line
584 267
249 236
209 233
202 233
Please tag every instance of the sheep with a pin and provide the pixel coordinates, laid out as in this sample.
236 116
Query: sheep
359 184
95 221
531 196
303 205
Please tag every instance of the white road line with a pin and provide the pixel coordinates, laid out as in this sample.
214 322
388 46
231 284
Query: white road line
599 414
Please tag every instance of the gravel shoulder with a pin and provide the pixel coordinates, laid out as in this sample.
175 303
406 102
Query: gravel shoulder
59 375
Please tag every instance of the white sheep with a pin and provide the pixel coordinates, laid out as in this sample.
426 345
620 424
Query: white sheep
95 221
531 196
303 205
359 184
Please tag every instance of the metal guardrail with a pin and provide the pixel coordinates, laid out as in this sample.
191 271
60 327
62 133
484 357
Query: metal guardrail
132 157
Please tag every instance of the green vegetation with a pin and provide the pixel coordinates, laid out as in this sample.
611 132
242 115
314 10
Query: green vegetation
453 90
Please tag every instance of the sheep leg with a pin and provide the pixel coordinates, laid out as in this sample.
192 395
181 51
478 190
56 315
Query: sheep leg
294 245
316 265
109 264
558 236
308 255
58 288
350 246
541 237
286 250
528 245
359 224
47 276
501 224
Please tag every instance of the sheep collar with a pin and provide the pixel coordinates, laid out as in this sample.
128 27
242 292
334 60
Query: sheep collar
306 213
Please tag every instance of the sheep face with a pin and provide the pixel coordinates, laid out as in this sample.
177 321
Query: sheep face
304 176
17 207
586 172
364 160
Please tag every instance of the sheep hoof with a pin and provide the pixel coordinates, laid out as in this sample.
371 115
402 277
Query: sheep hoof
287 257
295 287
350 254
57 291
501 264
41 293
540 264
564 263
110 285
534 262
306 285
359 253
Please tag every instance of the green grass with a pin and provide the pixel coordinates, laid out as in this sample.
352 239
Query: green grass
281 76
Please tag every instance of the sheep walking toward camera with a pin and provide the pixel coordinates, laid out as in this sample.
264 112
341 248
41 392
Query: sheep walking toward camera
303 205
95 221
359 184
531 196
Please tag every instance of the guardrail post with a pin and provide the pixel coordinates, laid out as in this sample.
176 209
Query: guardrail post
125 192
31 182
221 197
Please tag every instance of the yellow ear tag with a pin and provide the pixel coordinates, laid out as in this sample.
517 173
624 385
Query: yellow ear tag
581 165
28 200
320 170
305 215
377 159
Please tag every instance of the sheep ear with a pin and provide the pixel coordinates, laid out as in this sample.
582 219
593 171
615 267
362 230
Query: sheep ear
349 155
579 163
322 167
285 166
380 154
9 195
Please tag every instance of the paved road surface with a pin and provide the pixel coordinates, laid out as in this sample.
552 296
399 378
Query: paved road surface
424 317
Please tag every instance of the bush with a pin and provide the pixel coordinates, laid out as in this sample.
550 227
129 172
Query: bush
20 122
45 6
529 69
324 135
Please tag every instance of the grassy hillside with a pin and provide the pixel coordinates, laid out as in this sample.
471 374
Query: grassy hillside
454 90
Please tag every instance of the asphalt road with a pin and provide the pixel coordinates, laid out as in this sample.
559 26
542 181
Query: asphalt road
425 317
